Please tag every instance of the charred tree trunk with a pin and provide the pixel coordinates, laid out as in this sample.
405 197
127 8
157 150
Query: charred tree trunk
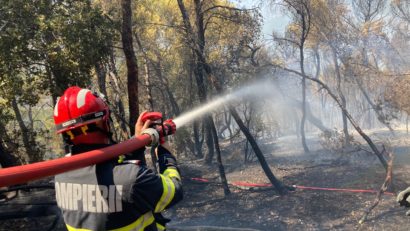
197 140
131 61
302 69
208 121
219 160
228 122
341 95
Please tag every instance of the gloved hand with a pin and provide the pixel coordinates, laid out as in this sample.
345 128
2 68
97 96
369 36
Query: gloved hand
404 199
141 125
168 128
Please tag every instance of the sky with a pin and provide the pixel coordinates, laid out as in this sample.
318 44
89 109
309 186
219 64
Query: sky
273 18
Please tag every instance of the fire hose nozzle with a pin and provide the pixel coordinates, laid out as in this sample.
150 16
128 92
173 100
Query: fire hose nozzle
163 128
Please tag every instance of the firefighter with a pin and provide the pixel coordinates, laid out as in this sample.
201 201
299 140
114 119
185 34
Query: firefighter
404 199
120 194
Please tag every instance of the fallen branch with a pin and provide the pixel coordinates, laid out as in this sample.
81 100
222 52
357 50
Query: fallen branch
387 182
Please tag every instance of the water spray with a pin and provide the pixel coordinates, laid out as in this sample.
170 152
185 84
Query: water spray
256 90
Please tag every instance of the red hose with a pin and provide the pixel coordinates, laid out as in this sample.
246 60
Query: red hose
342 190
246 184
21 174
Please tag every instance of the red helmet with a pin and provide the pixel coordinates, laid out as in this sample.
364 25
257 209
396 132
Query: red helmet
78 107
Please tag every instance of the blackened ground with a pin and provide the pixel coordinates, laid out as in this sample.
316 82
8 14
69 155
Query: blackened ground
206 208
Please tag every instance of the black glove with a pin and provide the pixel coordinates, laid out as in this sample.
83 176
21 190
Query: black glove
404 199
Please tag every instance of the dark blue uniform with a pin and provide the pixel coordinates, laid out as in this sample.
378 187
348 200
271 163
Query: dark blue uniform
112 196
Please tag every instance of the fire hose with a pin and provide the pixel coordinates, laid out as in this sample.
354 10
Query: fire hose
22 174
261 185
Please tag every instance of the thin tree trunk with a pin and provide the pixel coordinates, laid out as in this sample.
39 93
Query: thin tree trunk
197 140
131 61
341 95
208 120
119 105
165 84
219 160
303 121
150 102
101 77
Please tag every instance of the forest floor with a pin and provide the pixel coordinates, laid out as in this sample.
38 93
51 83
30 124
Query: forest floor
206 208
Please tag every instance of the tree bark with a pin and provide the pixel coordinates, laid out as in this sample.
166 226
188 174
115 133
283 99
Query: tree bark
302 69
119 114
131 61
341 95
101 77
147 81
197 140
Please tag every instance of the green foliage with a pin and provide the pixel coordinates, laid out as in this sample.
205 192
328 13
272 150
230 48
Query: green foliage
51 44
46 46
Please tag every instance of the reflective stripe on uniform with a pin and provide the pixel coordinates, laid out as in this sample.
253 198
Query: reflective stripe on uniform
70 228
139 225
167 194
160 227
171 172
